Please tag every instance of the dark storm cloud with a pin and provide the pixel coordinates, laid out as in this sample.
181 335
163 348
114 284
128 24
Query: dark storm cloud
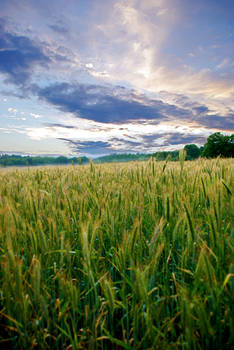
105 104
18 56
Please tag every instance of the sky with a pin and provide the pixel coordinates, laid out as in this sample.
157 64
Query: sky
97 77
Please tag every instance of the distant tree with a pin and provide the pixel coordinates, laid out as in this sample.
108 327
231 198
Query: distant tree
174 155
219 145
124 157
10 160
62 160
192 152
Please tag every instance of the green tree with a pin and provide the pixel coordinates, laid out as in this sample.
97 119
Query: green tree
192 152
219 145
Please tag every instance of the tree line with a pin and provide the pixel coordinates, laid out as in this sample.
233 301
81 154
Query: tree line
16 160
217 145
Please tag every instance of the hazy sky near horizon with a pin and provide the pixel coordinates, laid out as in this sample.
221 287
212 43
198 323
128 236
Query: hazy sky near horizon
94 77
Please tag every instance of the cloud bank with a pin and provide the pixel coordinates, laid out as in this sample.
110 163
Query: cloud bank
18 56
119 104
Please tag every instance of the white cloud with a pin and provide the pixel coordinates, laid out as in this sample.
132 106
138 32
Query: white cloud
36 116
81 130
89 65
12 110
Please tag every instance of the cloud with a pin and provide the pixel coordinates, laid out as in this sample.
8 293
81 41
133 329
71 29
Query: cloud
213 114
18 56
107 104
59 27
218 122
34 115
153 54
13 110
95 148
147 144
89 137
184 139
57 125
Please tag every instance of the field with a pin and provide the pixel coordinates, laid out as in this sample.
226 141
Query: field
120 256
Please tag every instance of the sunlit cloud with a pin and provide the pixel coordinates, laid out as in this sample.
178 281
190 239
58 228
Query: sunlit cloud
12 110
112 138
34 115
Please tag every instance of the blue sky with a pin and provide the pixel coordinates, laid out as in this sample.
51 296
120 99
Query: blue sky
99 77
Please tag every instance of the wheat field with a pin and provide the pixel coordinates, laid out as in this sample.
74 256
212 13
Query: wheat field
117 256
